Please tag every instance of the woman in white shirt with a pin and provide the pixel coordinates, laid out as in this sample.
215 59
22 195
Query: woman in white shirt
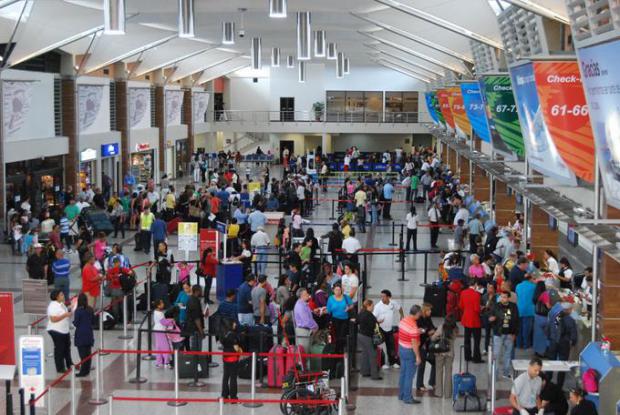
552 263
58 324
412 228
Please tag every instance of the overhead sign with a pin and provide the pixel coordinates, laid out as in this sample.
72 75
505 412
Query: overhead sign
601 81
35 296
209 238
502 111
541 151
188 236
563 105
463 127
7 328
110 150
32 366
429 96
437 106
89 154
475 110
443 96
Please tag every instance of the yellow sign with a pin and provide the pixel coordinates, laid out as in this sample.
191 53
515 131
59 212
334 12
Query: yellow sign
254 187
188 228
188 236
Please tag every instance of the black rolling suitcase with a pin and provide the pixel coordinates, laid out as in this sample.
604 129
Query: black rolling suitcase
98 221
188 365
436 295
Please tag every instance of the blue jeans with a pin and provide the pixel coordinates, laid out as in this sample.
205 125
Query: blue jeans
407 373
503 343
62 284
524 338
373 214
261 259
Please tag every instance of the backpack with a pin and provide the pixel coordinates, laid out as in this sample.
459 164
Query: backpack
128 282
590 381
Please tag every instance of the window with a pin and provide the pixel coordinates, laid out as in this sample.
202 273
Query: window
368 106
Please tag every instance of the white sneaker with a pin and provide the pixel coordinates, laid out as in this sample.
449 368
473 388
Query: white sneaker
385 366
396 366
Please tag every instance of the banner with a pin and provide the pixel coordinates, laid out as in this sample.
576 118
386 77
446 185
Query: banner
7 328
209 238
16 105
503 116
443 96
430 106
541 151
437 106
463 127
601 81
174 101
90 100
475 110
139 108
199 106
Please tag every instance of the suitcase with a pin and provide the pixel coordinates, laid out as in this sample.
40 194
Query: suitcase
254 338
137 238
245 368
463 383
420 199
327 363
97 220
276 366
504 410
189 365
315 363
435 295
467 402
160 292
173 225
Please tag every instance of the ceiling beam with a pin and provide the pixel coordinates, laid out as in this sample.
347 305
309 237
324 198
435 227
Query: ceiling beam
417 65
404 72
202 68
438 21
414 53
415 38
174 61
224 69
530 6
412 70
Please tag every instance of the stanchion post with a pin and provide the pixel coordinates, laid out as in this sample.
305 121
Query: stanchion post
210 346
125 335
32 405
111 406
253 386
347 379
332 217
489 370
98 400
22 402
101 317
493 375
73 398
425 268
149 338
401 255
393 243
138 378
221 402
340 406
49 402
176 402
9 398
134 295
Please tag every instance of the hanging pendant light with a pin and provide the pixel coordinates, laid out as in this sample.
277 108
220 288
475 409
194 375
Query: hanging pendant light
347 67
275 57
186 18
319 44
228 33
290 62
340 66
304 33
256 53
331 52
277 9
114 17
302 72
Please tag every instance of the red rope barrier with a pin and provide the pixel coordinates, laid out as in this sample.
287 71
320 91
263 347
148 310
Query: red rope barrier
214 400
196 353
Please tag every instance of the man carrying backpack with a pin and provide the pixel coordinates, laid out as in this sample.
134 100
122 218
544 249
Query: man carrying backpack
505 320
562 335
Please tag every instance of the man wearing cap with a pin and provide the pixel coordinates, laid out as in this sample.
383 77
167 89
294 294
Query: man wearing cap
562 335
37 263
260 243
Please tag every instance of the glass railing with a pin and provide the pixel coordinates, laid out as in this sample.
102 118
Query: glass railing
312 117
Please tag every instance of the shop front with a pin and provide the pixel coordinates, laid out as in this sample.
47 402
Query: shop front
142 163
88 168
182 158
40 180
110 167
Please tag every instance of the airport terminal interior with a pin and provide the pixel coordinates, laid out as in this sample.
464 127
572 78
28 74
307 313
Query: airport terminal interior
310 207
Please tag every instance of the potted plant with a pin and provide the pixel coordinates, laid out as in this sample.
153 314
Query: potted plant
318 108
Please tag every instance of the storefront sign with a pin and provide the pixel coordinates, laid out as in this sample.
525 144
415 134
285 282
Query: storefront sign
601 80
89 154
444 104
502 110
541 153
188 236
475 110
142 147
7 328
430 106
463 127
209 238
110 150
564 108
32 366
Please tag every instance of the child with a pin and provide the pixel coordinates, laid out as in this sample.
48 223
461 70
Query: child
100 247
17 236
184 269
173 332
65 224
161 338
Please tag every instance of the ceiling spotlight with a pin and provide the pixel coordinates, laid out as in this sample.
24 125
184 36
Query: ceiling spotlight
277 9
186 18
304 41
290 61
275 57
340 66
256 53
319 43
228 33
302 72
347 67
114 17
331 52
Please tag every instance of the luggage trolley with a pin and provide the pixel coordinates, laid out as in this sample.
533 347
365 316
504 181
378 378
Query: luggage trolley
311 386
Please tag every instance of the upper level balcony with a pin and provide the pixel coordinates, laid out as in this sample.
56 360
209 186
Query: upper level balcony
317 122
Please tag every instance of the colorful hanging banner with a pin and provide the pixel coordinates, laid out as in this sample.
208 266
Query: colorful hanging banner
503 112
541 151
565 111
601 81
443 96
475 110
437 106
463 127
431 107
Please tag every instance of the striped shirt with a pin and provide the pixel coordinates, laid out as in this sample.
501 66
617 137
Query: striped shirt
61 268
64 225
407 332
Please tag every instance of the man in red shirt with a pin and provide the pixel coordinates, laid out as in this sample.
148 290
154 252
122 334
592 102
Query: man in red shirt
470 309
113 276
91 280
208 266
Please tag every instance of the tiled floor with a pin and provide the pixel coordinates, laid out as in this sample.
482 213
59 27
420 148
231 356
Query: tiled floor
370 397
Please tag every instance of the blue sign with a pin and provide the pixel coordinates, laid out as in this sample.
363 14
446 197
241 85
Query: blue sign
109 150
430 107
476 110
221 227
31 362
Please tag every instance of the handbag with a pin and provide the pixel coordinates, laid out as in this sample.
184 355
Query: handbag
441 345
377 337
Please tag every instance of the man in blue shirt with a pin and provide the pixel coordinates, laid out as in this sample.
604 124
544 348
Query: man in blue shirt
61 267
388 193
159 231
475 231
223 195
228 309
241 215
525 304
244 301
257 219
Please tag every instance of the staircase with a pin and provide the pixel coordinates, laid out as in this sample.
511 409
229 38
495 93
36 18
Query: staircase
248 143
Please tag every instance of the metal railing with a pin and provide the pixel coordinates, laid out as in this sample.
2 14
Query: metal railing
315 117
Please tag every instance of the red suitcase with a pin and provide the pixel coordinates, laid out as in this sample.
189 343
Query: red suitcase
504 410
276 366
294 357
